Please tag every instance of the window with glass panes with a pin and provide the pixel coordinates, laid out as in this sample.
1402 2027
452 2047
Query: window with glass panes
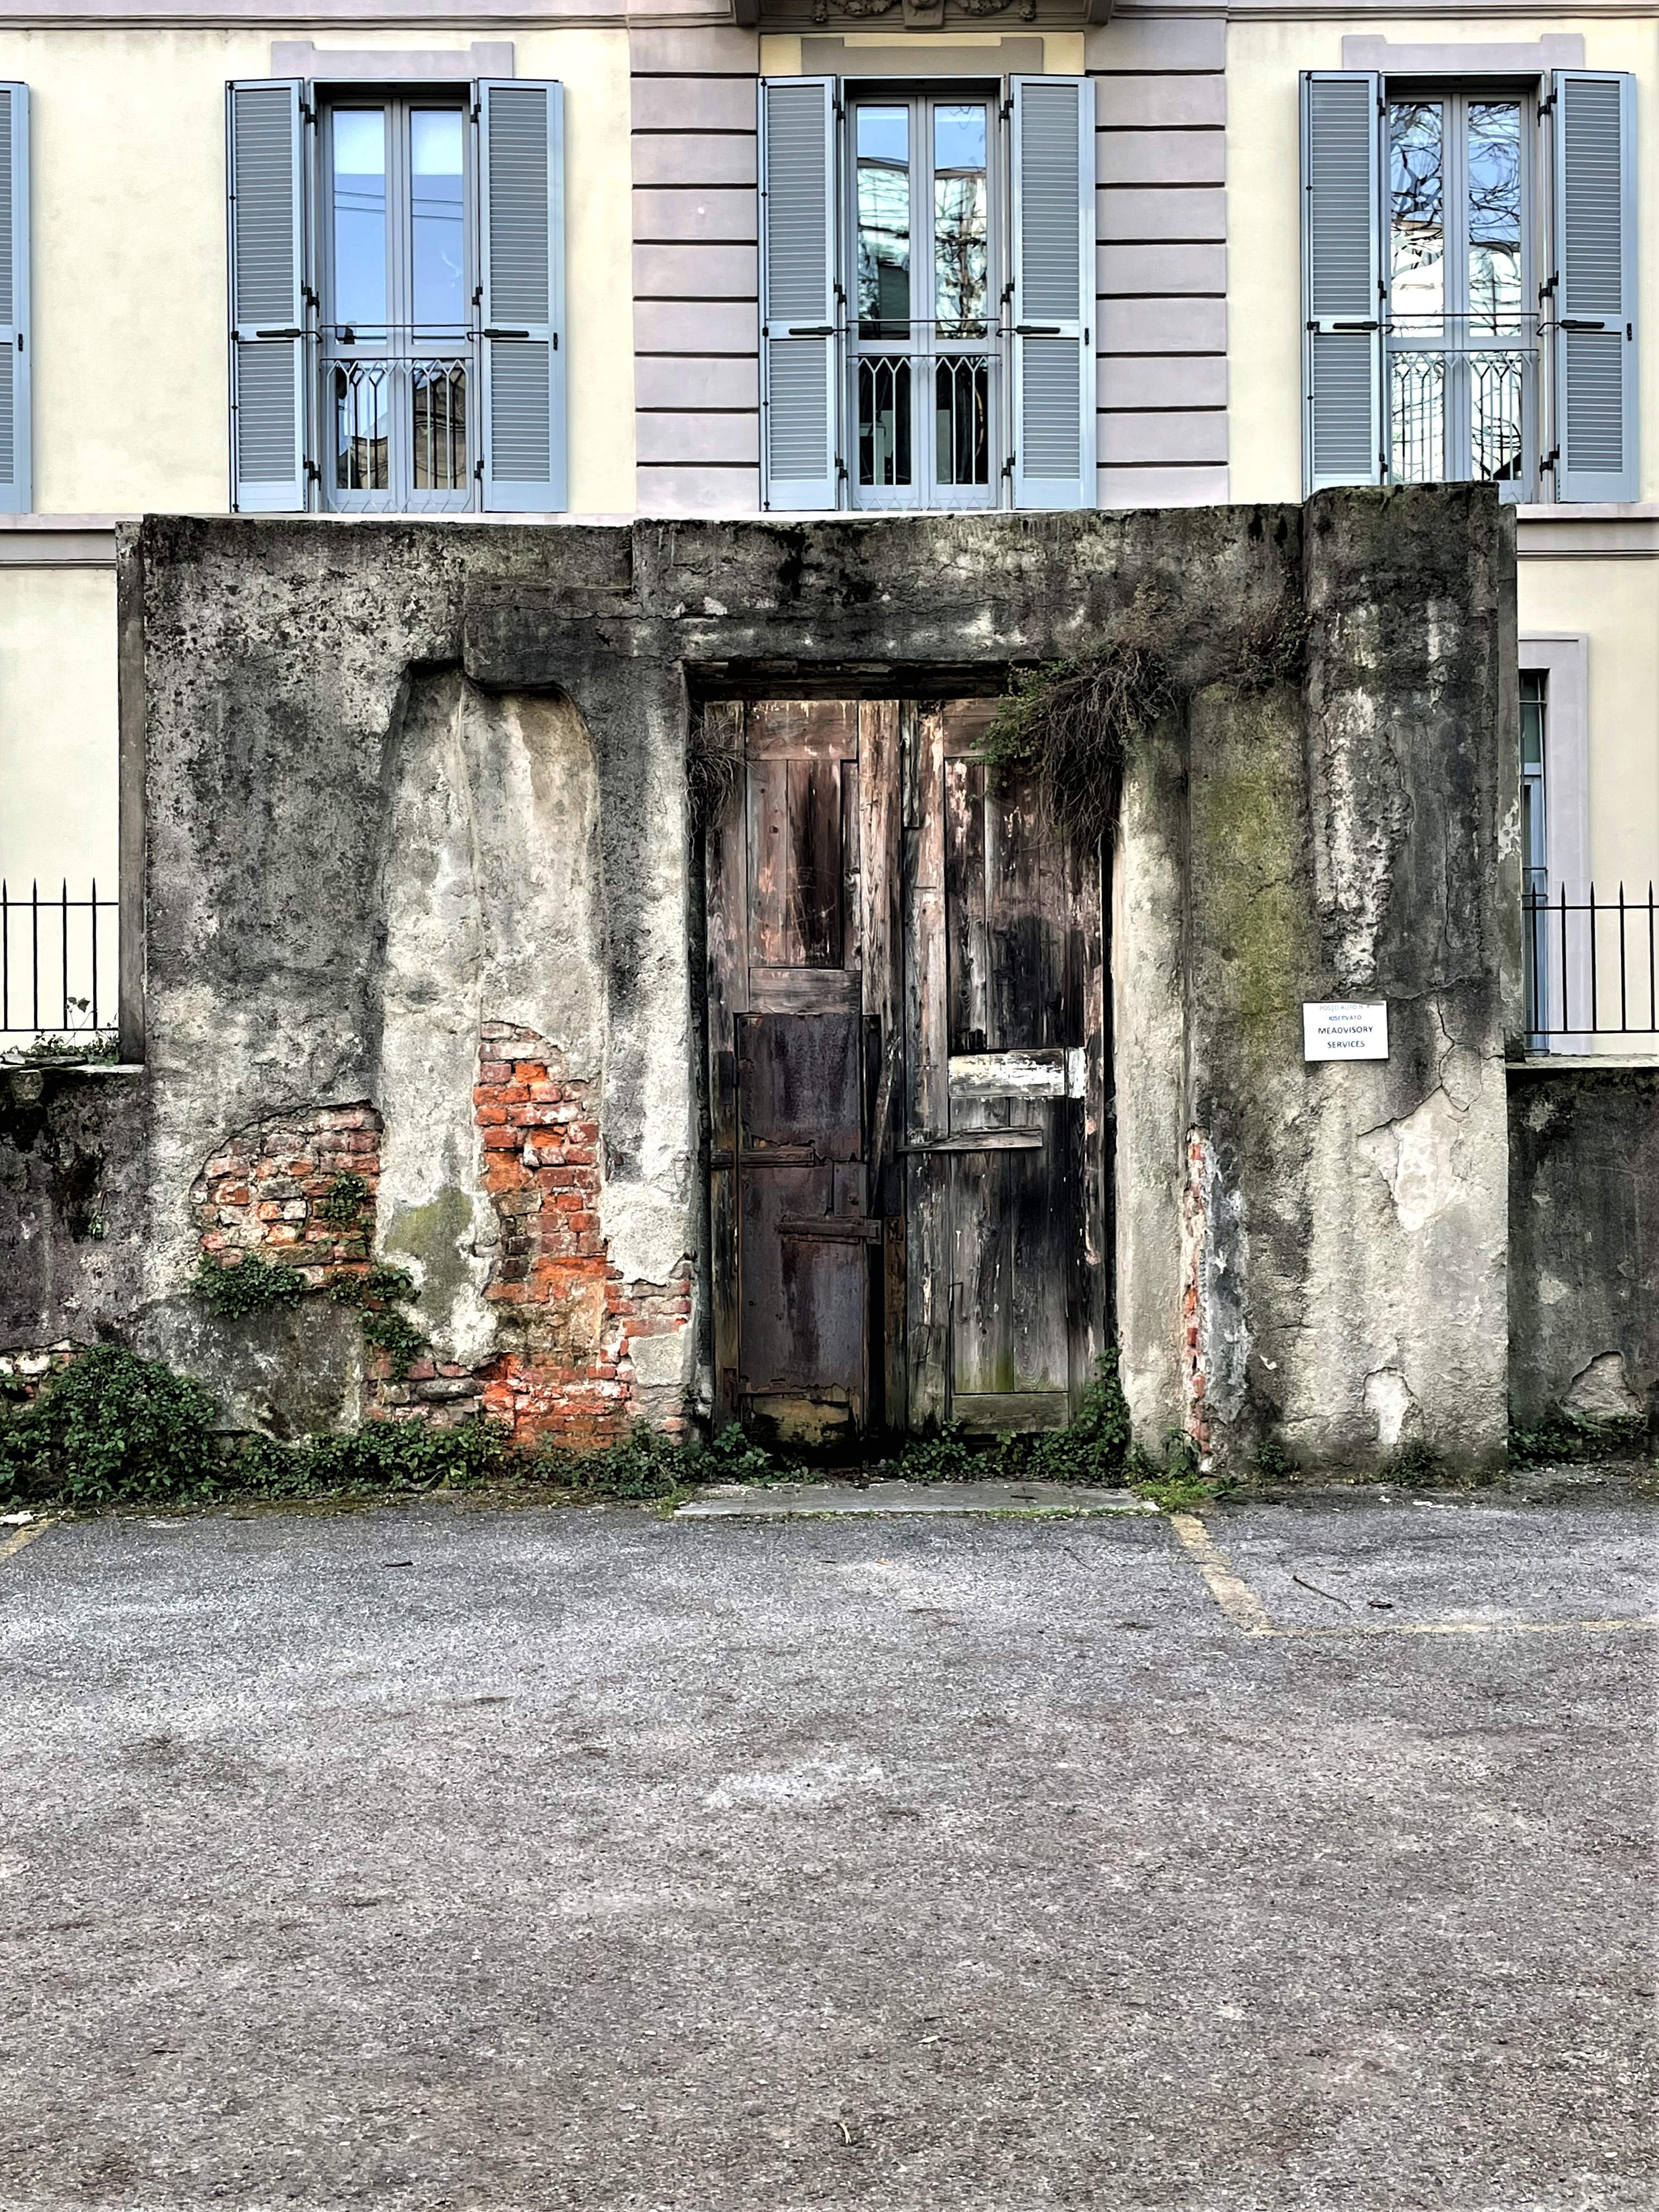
1461 345
924 362
398 372
1534 850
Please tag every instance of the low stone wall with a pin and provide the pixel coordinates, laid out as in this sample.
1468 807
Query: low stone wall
418 901
1584 1241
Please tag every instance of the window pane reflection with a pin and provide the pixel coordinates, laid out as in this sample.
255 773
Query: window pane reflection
884 421
360 215
1494 145
962 420
884 221
1418 396
436 219
440 425
961 221
362 408
1417 211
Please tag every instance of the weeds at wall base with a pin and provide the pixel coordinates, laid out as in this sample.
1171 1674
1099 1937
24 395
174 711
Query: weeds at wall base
112 1429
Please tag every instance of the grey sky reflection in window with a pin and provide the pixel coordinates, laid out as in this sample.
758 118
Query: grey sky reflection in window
961 219
360 256
1416 208
884 221
1494 150
438 216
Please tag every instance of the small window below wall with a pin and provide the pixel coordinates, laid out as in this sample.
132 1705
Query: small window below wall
1534 855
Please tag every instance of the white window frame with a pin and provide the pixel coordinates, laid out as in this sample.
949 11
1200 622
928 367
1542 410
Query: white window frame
1563 656
1455 95
924 494
398 100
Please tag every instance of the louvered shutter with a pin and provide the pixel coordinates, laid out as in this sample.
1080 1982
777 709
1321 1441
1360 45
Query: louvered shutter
1342 424
1053 232
1595 296
521 196
800 345
16 337
266 168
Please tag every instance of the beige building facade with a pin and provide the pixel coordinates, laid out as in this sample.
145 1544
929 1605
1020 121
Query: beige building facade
1062 257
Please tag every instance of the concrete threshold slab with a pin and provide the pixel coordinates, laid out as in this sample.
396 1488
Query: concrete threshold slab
781 1500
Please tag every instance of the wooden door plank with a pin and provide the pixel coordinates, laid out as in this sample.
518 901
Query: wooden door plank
812 797
1021 991
802 990
967 724
773 942
1035 1227
852 895
804 729
1048 1072
727 911
964 904
927 1102
876 786
1093 1294
989 1414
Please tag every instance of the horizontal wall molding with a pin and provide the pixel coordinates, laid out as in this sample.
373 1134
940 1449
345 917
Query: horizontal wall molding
1554 51
835 58
1621 533
389 65
708 23
48 541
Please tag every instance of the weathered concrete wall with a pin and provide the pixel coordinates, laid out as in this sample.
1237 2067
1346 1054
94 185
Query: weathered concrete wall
417 842
72 1203
1344 1260
1584 1241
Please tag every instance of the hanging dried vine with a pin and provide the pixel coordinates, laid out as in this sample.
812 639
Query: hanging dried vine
711 774
1074 724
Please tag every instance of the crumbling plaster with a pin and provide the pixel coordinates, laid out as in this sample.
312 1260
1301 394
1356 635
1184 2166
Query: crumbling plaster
1584 1169
395 774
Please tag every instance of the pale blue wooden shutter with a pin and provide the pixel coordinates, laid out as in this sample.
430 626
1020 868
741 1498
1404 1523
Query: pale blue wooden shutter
1052 234
799 340
1595 292
1342 423
521 200
16 338
265 161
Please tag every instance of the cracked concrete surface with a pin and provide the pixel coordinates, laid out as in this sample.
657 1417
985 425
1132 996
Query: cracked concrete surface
443 1858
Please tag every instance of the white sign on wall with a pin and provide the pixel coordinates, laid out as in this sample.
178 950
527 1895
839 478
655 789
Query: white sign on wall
1344 1029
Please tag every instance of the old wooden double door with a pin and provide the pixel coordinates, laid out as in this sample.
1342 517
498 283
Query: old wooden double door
905 1074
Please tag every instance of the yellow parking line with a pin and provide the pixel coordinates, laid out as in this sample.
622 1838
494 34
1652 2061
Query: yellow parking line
1246 1611
15 1541
1478 1627
1227 1586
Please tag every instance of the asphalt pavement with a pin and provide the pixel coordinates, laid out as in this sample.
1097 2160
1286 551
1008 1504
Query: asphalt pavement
1288 1858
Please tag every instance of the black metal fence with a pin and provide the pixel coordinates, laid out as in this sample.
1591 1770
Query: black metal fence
1591 967
58 971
